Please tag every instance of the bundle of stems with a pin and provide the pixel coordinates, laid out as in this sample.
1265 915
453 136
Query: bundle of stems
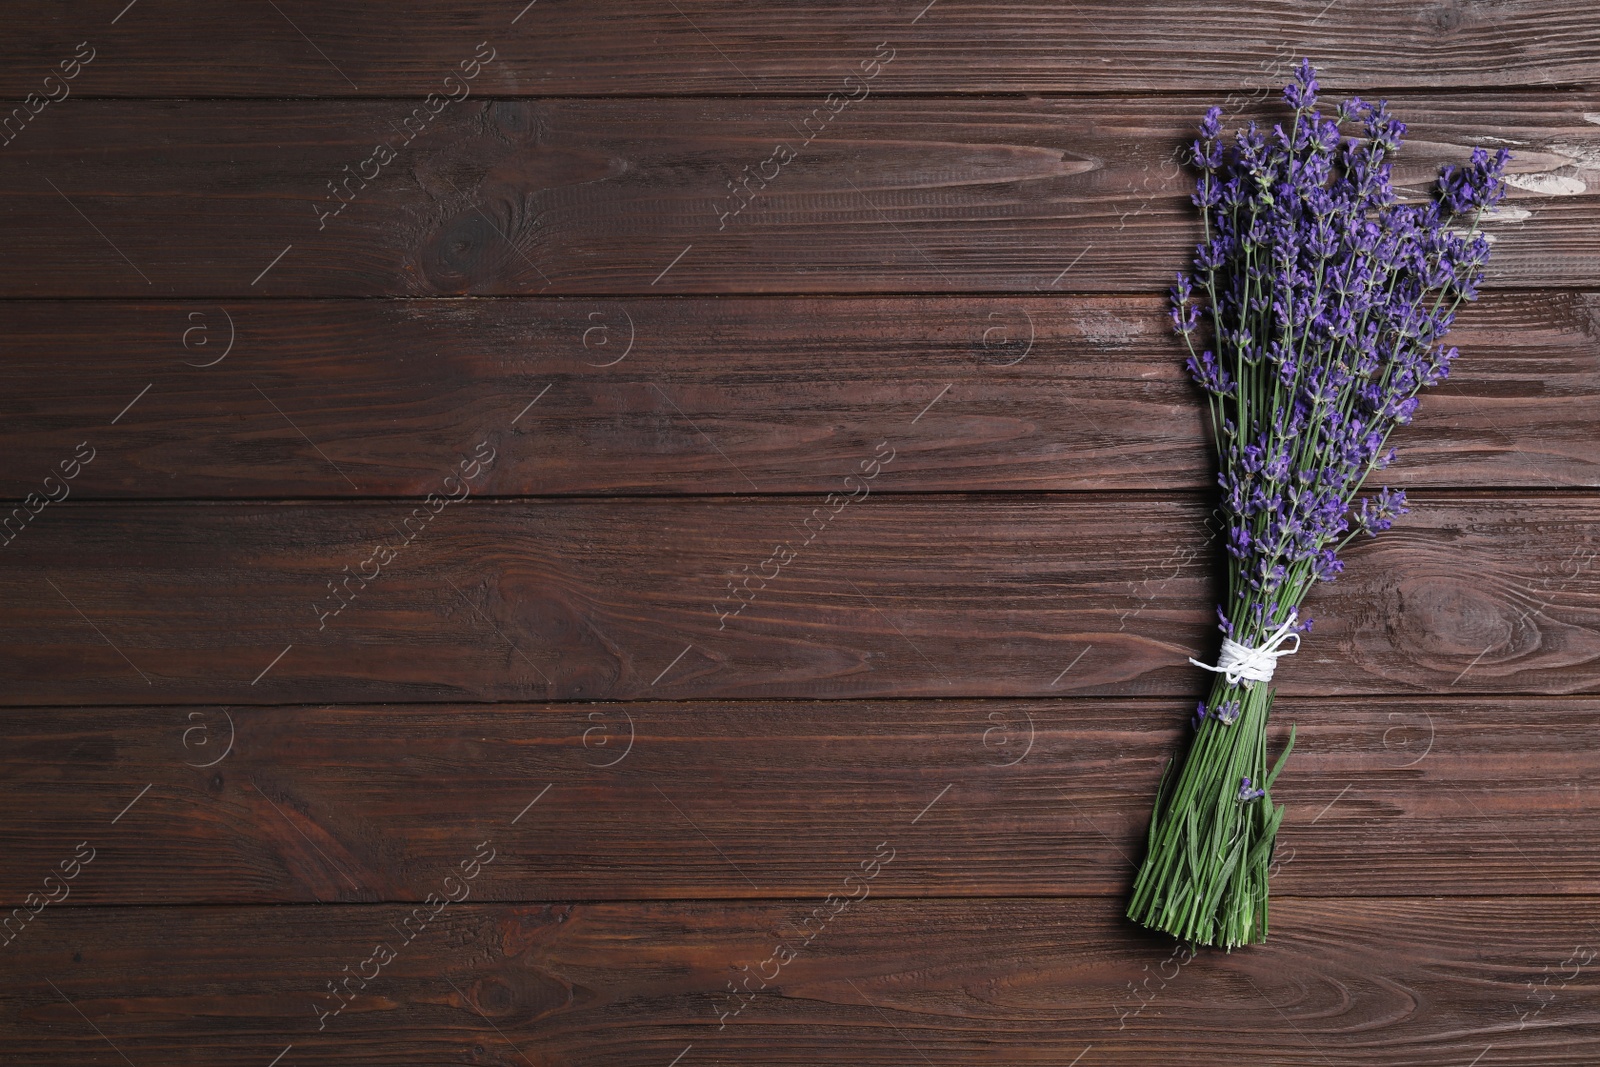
1324 300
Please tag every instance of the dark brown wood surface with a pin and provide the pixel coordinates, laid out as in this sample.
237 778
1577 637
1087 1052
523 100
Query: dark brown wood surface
895 597
1343 982
670 47
633 196
713 395
770 798
219 391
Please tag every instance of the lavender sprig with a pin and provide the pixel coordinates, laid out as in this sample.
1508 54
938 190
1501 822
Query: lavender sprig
1314 314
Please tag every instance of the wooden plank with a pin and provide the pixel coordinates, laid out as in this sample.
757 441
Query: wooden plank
713 800
229 199
1342 983
350 49
895 597
711 395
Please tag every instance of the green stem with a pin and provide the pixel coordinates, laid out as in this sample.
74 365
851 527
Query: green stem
1204 878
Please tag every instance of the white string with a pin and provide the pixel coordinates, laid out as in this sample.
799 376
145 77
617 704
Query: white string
1241 663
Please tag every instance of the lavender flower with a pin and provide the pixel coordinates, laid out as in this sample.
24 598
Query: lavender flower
1314 313
1313 271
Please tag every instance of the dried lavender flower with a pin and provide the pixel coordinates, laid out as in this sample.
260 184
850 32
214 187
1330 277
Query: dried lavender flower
1313 313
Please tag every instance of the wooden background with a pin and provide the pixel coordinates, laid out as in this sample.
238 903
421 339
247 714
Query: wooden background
959 687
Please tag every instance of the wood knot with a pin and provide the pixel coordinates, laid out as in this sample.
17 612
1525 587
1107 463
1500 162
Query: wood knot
487 244
1453 617
517 120
1443 18
517 997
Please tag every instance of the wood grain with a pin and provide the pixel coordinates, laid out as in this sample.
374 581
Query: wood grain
345 48
735 296
632 196
1343 982
895 597
769 799
712 395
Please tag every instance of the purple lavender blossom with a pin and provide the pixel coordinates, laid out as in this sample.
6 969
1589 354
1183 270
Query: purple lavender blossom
1324 300
1225 713
1314 313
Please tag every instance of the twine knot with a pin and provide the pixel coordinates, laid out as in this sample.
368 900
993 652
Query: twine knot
1241 663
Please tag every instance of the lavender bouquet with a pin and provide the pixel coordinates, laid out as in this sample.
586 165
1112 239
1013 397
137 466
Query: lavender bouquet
1314 315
